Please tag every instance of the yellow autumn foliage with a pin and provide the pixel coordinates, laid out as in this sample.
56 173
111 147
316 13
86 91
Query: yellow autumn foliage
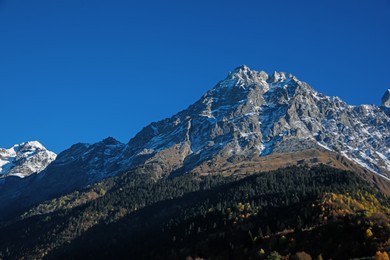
381 256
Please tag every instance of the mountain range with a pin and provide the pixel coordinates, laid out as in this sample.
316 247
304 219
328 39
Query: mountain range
246 117
250 122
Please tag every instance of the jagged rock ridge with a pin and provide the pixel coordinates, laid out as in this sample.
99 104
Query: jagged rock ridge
251 114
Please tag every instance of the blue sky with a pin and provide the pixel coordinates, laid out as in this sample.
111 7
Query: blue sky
82 70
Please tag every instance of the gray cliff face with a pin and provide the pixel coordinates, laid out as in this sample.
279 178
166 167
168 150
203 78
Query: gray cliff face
252 114
386 99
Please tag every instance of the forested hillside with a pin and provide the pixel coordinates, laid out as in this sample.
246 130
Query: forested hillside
322 211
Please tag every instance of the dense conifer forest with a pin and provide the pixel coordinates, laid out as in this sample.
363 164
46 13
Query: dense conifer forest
296 212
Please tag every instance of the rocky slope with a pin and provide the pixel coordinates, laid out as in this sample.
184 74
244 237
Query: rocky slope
252 114
73 169
24 159
95 161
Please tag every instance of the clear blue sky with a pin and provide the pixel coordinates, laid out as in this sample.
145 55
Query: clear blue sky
82 70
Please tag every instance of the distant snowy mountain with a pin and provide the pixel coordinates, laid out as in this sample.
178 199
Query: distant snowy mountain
24 159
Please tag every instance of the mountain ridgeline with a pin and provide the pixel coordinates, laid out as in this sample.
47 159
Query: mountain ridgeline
260 163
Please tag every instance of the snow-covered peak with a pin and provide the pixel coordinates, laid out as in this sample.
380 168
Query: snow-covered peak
244 75
244 78
244 85
278 77
31 145
34 144
241 70
24 159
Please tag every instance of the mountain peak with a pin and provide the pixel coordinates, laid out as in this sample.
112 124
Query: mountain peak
31 145
244 72
279 76
243 76
251 113
24 159
241 68
110 141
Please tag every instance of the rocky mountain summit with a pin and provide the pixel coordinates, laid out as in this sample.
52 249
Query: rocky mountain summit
24 159
252 114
